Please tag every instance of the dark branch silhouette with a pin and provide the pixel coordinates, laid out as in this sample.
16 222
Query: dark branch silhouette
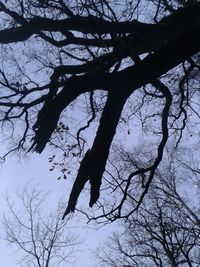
96 48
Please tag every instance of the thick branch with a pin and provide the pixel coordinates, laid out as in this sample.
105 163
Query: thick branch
88 24
149 69
93 164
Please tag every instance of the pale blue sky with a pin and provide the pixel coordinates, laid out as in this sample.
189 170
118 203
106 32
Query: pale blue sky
15 174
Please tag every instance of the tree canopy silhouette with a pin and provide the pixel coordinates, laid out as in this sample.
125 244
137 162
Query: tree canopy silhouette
164 232
54 51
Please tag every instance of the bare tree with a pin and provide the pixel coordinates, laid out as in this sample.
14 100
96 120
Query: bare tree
40 236
104 59
165 231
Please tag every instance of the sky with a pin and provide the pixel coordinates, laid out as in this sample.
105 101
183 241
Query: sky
14 174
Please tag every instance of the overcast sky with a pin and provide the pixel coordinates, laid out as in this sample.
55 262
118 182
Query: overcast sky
15 174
